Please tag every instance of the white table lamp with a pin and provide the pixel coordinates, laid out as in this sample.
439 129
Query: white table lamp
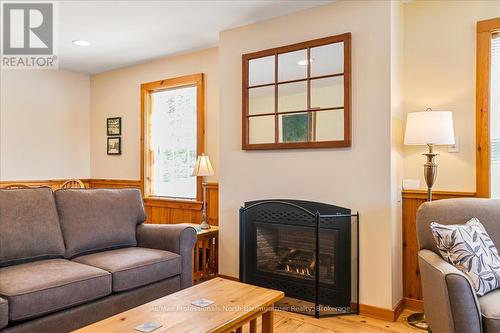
203 168
430 128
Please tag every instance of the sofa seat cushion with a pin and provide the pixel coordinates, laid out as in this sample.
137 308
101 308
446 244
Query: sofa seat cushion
134 266
4 312
490 309
40 287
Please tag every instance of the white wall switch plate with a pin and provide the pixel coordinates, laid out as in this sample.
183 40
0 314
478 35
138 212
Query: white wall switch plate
411 184
456 147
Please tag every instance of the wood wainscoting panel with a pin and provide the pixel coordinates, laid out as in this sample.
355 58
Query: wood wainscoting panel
412 199
114 183
157 210
213 203
165 211
54 184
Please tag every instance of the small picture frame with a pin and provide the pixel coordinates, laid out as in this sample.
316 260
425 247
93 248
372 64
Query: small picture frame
114 126
114 146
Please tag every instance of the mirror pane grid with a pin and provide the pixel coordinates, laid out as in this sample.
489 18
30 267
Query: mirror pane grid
261 129
292 127
292 65
327 125
327 92
261 71
327 59
292 96
261 100
299 100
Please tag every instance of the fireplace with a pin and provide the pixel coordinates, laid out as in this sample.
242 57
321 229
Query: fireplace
306 249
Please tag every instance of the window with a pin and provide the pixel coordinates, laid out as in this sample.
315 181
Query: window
172 112
488 109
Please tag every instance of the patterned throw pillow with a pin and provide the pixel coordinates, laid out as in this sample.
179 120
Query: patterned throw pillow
469 248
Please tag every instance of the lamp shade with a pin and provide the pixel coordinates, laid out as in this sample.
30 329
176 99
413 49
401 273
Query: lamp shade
429 127
203 167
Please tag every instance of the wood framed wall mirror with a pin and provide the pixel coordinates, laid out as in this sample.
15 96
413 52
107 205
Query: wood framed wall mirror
298 96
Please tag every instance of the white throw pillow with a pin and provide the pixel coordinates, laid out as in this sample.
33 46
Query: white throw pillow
469 248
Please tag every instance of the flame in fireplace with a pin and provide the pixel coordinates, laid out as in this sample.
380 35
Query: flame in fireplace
298 270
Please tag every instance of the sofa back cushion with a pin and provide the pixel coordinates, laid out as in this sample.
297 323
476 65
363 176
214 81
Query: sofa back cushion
99 219
29 226
457 211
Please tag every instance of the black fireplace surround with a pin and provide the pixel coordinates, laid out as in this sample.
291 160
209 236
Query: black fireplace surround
306 249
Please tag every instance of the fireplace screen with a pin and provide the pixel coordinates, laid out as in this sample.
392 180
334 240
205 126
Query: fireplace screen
312 257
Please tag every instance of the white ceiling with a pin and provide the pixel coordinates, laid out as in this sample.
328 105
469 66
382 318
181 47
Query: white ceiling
123 33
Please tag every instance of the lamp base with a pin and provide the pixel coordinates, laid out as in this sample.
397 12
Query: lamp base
204 225
430 171
417 320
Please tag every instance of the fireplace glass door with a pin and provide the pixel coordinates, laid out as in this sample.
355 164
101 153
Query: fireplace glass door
289 251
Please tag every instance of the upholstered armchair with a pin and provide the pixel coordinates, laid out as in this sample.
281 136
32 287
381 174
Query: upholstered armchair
450 302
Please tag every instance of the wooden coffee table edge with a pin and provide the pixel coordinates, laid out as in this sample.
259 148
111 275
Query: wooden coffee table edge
266 311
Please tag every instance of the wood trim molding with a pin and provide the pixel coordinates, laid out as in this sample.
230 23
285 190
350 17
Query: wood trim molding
421 194
103 183
228 277
414 304
485 29
52 183
375 312
365 310
91 183
177 204
212 185
382 313
490 25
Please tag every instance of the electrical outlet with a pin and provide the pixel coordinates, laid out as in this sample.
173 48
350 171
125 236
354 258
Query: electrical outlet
456 147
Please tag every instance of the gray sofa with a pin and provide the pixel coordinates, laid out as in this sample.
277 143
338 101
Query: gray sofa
450 302
75 256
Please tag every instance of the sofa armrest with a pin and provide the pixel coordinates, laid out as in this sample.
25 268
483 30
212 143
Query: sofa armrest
450 302
4 312
175 238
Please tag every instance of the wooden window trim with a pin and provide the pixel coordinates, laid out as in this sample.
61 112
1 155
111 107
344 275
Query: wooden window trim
485 30
347 142
155 86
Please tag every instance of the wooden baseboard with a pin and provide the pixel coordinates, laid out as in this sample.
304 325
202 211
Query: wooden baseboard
399 309
228 277
414 304
382 313
365 310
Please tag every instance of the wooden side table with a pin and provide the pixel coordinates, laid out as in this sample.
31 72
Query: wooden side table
205 253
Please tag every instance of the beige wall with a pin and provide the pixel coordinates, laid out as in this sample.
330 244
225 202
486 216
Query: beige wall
358 177
117 94
44 125
440 61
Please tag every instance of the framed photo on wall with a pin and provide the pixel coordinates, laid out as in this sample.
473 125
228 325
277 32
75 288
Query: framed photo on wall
114 126
114 146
